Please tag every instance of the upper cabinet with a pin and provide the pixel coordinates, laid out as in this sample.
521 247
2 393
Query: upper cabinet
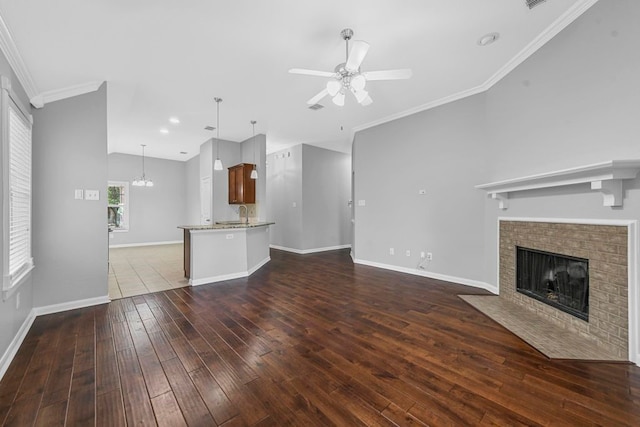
242 189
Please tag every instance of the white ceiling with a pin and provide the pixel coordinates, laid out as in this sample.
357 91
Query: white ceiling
166 58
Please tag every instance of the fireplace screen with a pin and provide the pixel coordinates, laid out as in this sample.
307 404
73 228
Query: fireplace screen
558 280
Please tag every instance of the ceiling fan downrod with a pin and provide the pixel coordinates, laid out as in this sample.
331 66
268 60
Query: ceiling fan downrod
346 35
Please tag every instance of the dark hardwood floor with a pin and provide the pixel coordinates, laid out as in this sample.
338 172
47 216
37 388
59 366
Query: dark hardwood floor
307 340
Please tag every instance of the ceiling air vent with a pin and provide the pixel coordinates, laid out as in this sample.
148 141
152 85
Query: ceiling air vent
316 107
534 3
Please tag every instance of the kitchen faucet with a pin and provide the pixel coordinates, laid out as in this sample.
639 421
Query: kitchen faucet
246 211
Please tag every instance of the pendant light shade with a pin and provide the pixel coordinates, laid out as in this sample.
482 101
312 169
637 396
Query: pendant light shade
217 165
142 181
254 172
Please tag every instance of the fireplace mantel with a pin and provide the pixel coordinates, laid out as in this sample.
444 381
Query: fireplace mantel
604 177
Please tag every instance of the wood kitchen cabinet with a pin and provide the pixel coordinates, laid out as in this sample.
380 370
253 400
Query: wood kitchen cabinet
242 189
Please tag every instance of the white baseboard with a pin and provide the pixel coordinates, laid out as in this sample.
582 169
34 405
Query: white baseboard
309 251
231 276
461 280
15 344
133 245
258 266
71 305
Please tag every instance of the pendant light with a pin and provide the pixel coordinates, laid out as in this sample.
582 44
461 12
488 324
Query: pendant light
217 165
254 172
143 181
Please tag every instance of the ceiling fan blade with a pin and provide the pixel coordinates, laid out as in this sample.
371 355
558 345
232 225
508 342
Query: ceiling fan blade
356 56
311 72
318 97
405 73
367 101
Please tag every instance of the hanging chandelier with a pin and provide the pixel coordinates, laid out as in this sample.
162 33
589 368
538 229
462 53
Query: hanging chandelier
143 181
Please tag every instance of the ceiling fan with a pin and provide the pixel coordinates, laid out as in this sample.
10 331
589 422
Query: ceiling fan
347 76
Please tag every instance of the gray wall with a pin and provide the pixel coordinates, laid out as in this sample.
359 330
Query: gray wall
318 181
192 190
230 154
12 318
574 102
441 151
154 212
284 188
326 190
70 236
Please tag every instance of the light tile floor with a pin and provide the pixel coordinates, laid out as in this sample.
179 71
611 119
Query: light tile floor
145 269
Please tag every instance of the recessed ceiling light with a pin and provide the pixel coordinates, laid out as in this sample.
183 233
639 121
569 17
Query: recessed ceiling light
165 131
174 120
487 39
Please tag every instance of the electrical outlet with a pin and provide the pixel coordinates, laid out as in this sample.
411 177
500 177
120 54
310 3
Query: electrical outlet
422 192
408 252
92 194
229 236
392 251
429 256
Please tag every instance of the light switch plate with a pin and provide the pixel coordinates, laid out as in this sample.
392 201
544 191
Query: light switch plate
92 194
362 203
79 194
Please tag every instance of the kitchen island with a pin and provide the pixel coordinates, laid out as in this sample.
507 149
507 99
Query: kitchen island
224 251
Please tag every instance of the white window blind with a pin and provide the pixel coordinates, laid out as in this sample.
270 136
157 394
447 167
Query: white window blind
15 125
19 193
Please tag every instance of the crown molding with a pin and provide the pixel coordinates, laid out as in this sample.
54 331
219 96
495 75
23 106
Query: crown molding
551 31
10 51
57 94
419 108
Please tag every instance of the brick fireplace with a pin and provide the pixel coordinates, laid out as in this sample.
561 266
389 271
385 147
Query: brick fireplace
605 246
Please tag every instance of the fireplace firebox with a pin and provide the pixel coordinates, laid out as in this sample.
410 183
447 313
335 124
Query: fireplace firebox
558 280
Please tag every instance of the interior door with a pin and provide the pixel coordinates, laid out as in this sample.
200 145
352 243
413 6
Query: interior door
205 200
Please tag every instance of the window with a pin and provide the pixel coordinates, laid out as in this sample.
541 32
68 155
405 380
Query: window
118 205
16 190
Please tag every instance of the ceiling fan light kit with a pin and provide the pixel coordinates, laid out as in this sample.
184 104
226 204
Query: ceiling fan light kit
347 76
339 99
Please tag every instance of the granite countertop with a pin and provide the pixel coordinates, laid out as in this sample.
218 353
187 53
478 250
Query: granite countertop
226 225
